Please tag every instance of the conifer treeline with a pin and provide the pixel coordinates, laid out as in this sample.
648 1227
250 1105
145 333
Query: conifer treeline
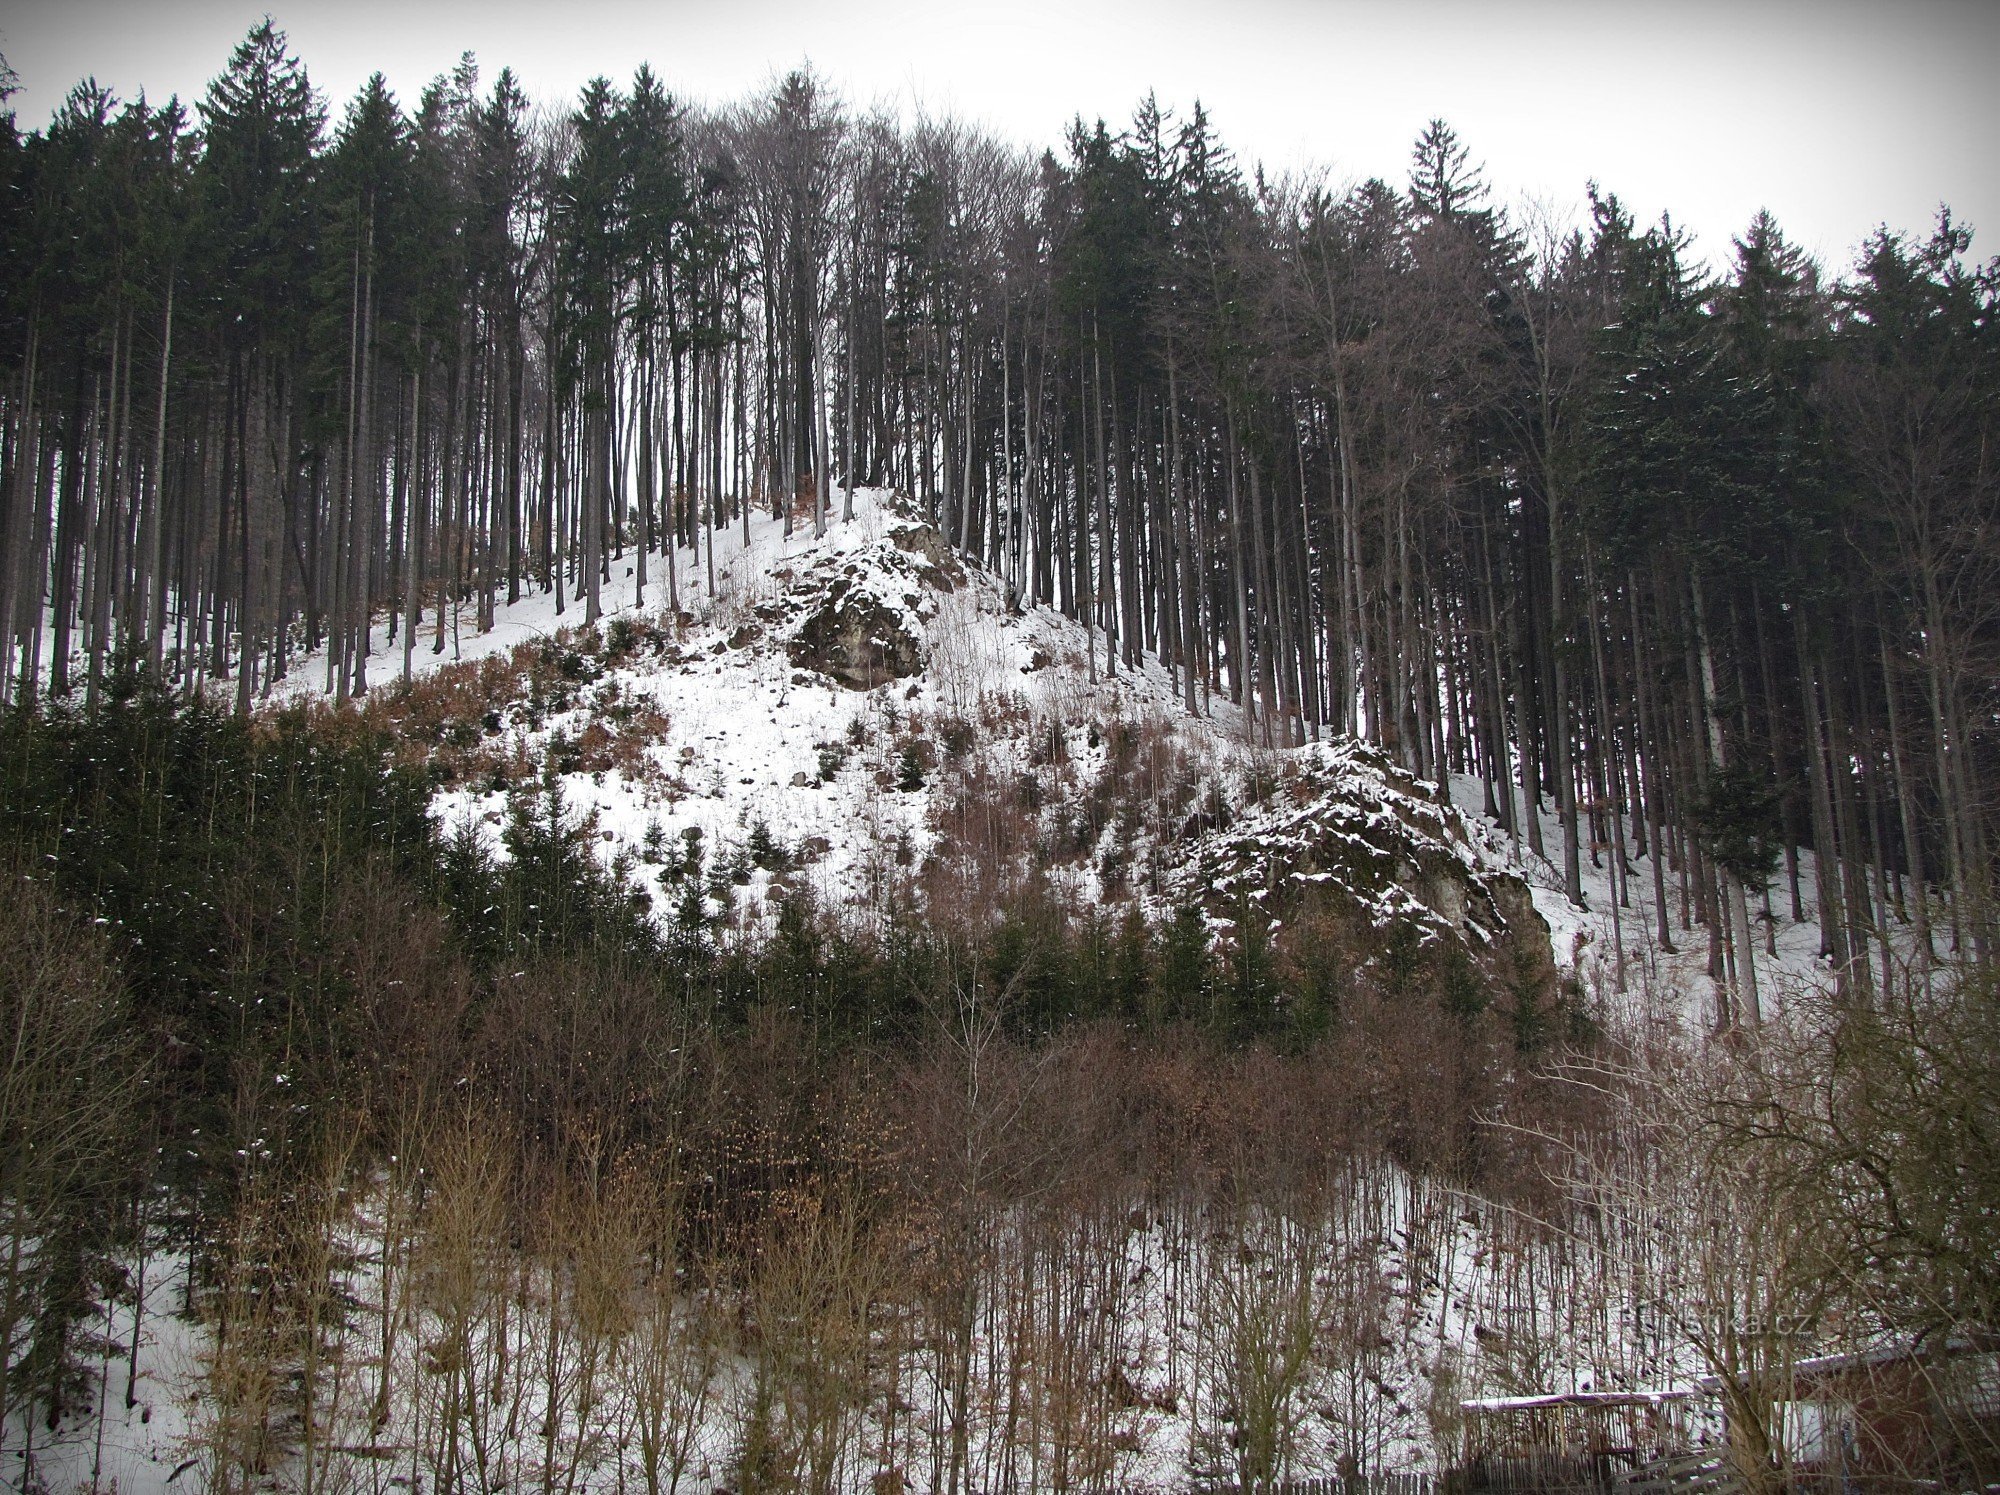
1709 568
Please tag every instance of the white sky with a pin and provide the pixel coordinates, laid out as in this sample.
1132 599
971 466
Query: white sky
1837 115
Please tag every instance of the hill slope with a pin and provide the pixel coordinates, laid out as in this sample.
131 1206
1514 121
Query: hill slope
862 719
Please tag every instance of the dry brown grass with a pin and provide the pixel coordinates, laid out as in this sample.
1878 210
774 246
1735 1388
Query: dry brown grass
467 722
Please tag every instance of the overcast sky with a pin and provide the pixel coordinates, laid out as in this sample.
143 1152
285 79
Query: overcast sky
1837 115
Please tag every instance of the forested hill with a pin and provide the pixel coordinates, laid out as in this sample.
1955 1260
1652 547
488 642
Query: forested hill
1709 567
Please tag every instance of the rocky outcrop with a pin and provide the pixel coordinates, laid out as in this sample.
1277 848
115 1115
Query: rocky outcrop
851 636
1344 845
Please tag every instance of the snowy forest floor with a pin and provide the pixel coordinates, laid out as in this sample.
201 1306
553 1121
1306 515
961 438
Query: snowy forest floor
707 728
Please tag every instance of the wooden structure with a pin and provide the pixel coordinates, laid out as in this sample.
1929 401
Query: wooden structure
1583 1437
1894 1413
1872 1420
1333 1484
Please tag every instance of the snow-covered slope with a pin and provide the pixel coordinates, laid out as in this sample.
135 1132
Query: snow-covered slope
1613 949
860 699
862 693
902 731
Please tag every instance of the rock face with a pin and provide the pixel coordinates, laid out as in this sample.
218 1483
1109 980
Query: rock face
852 637
859 618
941 569
1345 847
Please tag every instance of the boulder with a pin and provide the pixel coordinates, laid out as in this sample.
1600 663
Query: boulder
853 638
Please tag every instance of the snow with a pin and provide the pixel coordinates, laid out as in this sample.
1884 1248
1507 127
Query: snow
1574 1399
1657 985
728 729
1157 1289
1409 1275
746 729
747 722
135 1449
